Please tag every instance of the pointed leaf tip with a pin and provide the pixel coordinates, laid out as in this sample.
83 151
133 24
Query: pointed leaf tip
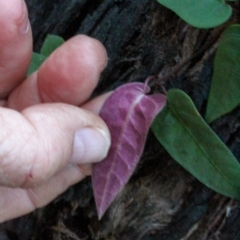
128 113
51 43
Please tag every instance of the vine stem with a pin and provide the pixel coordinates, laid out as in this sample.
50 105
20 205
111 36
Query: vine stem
146 83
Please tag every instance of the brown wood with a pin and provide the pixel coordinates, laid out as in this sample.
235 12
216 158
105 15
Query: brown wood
161 201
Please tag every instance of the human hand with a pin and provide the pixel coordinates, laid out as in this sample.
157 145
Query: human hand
47 143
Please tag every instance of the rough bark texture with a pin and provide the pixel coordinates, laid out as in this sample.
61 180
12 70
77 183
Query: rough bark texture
161 201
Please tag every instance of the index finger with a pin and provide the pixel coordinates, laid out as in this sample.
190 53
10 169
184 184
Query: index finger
69 75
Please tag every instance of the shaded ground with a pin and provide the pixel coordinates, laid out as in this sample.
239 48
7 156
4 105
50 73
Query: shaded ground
161 201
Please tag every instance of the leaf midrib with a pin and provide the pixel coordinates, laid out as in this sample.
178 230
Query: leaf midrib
202 149
137 100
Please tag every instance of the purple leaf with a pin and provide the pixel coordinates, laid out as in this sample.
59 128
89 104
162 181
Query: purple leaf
128 113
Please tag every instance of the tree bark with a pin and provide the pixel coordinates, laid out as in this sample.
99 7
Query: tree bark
162 200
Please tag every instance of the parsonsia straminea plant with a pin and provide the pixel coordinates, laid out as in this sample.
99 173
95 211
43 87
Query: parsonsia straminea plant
178 126
128 113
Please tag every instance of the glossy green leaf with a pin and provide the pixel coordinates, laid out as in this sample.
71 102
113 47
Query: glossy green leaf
224 93
50 44
36 61
194 145
200 13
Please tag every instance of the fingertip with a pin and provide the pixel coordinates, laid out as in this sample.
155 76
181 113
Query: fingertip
95 49
90 145
16 44
71 73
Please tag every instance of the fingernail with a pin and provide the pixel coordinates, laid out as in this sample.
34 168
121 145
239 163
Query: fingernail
23 22
90 145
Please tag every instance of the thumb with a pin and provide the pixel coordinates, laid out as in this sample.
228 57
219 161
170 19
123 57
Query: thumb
43 139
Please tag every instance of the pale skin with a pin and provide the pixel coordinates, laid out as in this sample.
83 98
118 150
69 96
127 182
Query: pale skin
51 133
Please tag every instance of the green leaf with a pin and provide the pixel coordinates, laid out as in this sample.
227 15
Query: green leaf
224 93
194 145
200 13
51 42
36 61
